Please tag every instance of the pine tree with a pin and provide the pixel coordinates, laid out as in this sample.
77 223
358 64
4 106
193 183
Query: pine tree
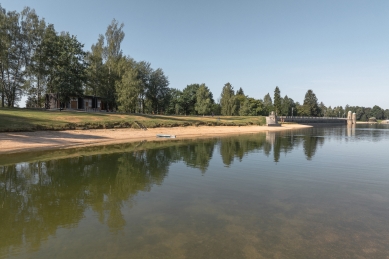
277 101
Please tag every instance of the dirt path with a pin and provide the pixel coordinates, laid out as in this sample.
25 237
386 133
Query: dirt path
14 142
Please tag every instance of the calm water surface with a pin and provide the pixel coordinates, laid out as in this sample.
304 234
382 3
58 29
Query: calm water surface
314 193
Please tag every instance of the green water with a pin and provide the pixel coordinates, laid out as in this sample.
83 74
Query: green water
314 193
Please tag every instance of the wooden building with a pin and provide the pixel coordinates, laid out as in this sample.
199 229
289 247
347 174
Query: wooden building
87 103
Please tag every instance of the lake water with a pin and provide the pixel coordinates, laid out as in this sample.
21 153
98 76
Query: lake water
312 193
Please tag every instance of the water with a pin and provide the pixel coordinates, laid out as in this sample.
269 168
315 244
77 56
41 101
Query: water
314 193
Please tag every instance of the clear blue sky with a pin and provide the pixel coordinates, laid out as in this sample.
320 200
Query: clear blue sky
339 49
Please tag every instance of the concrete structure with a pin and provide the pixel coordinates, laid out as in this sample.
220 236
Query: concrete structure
271 120
349 118
313 120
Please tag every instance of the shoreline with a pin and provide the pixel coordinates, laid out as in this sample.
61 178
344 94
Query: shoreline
22 142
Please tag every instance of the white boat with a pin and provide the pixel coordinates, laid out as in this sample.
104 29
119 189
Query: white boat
165 136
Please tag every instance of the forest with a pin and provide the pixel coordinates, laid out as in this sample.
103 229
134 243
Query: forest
35 60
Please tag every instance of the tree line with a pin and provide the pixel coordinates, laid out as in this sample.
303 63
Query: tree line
35 59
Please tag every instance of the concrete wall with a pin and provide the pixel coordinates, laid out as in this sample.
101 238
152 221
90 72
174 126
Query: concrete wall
309 120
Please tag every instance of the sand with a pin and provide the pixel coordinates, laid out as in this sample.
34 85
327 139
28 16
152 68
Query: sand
16 142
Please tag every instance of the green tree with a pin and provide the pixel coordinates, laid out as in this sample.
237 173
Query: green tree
174 106
204 100
13 57
286 106
144 71
69 73
35 66
240 91
128 88
323 109
299 111
377 112
268 104
251 107
97 72
157 91
277 101
112 54
189 98
245 108
227 100
310 106
240 99
338 111
216 108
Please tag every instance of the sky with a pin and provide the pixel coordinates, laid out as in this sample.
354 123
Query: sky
339 49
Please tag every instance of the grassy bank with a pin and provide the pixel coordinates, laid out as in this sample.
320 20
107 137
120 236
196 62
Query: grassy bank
17 119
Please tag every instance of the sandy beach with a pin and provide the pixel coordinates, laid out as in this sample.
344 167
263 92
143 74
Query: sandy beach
15 142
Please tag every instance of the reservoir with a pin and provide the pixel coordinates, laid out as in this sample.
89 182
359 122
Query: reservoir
319 192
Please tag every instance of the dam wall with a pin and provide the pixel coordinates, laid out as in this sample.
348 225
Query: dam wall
312 120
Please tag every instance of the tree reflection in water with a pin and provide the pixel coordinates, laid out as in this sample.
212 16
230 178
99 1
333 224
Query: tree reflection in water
37 198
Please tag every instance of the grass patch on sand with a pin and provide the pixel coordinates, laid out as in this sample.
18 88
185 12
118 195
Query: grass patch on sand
21 119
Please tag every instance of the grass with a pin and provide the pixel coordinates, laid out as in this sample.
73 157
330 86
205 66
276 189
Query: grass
20 119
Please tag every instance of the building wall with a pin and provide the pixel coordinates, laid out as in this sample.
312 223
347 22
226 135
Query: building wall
75 103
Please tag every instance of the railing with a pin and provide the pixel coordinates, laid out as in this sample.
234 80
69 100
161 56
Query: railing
310 117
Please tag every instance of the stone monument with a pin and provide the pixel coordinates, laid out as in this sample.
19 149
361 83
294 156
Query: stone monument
271 120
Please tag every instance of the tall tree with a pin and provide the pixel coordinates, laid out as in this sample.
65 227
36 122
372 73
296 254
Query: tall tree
240 91
34 33
277 101
310 106
14 56
174 106
204 100
268 104
112 55
323 109
67 66
189 98
227 100
128 88
286 106
97 71
144 71
157 91
240 99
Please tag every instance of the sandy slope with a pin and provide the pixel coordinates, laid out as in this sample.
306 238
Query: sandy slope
14 142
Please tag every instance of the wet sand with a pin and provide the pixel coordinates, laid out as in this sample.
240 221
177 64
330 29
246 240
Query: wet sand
15 142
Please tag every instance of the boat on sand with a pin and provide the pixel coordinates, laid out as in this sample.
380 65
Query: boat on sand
165 136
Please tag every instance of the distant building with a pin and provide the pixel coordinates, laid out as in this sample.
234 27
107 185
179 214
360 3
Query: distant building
87 102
